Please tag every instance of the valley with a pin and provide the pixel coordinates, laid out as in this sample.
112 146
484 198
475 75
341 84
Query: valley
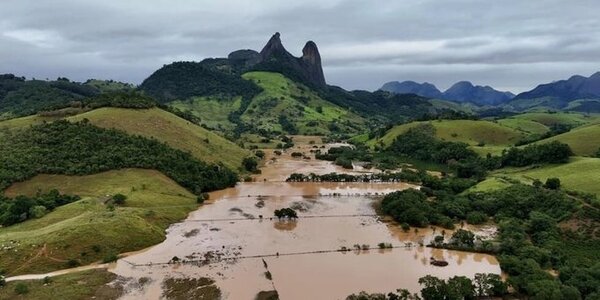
249 176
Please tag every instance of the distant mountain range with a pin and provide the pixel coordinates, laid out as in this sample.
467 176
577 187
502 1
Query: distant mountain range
574 88
578 93
462 92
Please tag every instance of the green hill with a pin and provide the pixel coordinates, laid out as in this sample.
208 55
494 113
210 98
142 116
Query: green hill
483 136
584 140
88 230
173 130
559 118
580 174
287 106
20 97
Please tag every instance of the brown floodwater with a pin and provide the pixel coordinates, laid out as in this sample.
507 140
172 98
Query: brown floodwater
234 240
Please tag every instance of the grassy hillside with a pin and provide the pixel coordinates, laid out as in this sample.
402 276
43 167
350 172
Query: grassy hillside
524 125
82 285
302 107
580 174
549 119
166 127
584 140
494 137
87 230
444 104
213 111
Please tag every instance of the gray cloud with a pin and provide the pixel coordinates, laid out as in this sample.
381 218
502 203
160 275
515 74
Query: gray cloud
510 44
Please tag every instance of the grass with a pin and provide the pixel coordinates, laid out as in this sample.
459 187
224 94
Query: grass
584 140
82 285
527 126
443 104
24 122
281 96
86 231
467 131
489 184
580 173
548 119
171 129
213 111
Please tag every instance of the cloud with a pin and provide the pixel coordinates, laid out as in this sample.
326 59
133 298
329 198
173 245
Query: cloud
508 44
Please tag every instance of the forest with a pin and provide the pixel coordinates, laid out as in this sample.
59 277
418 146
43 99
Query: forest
80 148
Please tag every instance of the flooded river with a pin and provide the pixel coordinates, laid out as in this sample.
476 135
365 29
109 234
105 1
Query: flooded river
234 240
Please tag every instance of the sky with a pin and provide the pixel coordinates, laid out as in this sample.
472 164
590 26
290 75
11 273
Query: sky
510 45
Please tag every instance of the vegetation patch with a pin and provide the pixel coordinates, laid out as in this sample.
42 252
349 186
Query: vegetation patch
81 285
89 230
190 288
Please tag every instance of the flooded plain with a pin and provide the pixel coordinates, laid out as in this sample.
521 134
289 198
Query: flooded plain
235 240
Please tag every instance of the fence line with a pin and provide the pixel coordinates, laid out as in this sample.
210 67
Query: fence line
220 259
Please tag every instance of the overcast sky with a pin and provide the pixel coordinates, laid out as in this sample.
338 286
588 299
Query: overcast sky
510 45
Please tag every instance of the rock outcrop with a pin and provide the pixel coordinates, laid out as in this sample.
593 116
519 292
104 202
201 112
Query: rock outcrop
274 57
312 63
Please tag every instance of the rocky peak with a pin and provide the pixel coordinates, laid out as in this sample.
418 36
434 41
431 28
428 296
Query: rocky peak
312 61
274 47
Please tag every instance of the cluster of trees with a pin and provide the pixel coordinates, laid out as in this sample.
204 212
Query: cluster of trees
455 288
80 148
22 208
553 152
182 80
286 213
420 143
124 99
20 97
529 241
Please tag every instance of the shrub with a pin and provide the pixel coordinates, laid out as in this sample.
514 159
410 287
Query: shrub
552 183
119 199
250 164
110 257
476 218
21 288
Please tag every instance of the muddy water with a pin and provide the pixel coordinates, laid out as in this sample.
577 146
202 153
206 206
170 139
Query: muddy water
227 240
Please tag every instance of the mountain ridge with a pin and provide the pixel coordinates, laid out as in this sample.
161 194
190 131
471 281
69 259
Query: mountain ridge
462 92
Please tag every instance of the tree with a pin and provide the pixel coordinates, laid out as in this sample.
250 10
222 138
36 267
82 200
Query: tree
463 238
552 183
460 287
119 199
434 288
250 164
260 154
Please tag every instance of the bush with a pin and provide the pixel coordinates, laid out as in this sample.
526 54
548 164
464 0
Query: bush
260 154
21 288
110 257
552 183
250 164
119 199
476 218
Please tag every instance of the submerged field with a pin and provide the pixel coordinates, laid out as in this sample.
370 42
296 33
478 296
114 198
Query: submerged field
88 230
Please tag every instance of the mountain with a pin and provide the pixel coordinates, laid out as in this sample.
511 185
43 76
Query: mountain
306 69
576 87
465 91
462 91
410 87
